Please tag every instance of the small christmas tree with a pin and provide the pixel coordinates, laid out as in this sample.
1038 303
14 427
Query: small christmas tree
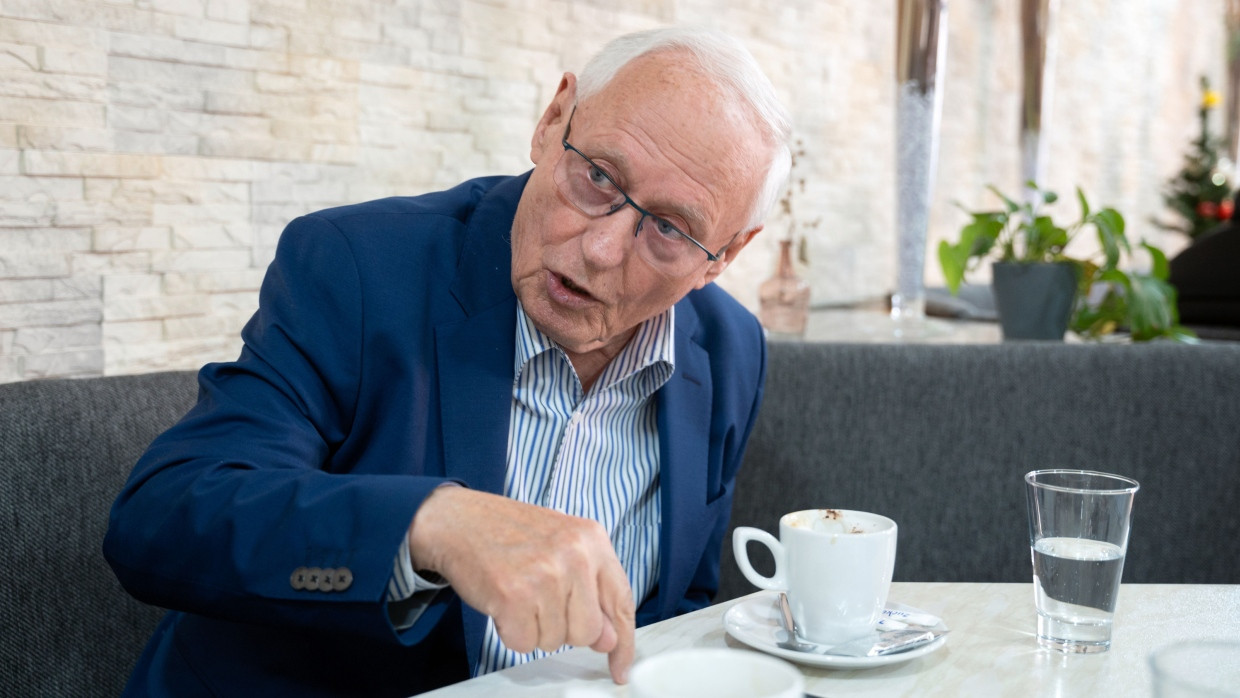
1201 192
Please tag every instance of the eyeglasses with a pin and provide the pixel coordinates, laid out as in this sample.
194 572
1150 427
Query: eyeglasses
660 242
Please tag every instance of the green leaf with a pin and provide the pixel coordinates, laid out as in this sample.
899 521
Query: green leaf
988 226
1103 318
1080 196
983 216
1150 306
1161 269
1182 335
976 240
983 232
1012 206
1114 219
1110 226
1043 240
1086 273
953 261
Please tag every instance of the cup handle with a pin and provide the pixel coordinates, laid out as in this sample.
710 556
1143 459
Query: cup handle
740 538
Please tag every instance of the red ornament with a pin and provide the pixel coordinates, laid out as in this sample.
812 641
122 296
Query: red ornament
1207 209
1225 209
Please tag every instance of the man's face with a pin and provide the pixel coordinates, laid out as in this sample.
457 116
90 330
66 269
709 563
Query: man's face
679 150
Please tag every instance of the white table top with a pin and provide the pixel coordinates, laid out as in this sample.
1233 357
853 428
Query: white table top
991 650
873 327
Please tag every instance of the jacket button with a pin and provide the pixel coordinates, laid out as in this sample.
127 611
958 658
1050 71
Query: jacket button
313 576
298 579
327 580
342 578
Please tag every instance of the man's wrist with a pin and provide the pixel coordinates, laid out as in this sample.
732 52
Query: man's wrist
420 536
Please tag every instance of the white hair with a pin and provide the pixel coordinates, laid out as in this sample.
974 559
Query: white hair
730 65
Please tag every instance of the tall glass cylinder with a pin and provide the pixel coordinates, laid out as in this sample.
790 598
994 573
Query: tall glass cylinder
1037 59
921 46
1232 90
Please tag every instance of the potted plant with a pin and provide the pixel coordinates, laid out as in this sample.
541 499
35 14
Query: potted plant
1040 291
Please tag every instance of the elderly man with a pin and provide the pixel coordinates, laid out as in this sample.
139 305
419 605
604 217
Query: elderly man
471 427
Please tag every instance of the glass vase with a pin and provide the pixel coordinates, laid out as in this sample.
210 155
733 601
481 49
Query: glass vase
784 298
921 44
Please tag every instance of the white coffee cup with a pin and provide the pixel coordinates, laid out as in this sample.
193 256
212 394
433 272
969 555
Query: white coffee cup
835 565
715 673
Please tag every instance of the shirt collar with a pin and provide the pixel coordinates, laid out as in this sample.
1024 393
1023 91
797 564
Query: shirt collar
652 345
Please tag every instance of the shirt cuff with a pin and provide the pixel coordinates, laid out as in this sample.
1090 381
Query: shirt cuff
405 581
410 593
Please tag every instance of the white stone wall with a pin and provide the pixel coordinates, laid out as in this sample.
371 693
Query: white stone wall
151 151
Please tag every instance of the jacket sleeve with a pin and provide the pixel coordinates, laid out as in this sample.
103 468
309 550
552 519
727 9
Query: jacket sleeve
227 508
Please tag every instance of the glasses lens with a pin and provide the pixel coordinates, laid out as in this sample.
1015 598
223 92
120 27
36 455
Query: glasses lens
666 249
585 186
659 242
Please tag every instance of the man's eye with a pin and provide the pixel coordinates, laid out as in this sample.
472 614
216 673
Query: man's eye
666 229
600 180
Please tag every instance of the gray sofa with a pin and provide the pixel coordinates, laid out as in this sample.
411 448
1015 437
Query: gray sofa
937 437
66 446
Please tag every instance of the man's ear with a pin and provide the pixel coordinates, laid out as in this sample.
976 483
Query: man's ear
729 253
552 122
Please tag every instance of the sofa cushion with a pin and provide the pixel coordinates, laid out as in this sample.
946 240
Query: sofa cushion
66 446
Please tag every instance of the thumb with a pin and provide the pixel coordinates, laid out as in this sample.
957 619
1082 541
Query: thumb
606 641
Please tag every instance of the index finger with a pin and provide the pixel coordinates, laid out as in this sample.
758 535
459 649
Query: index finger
617 603
620 659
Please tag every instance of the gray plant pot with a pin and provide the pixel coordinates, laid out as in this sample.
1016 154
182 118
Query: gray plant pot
1034 301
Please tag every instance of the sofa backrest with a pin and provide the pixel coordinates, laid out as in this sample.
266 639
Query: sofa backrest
66 447
939 437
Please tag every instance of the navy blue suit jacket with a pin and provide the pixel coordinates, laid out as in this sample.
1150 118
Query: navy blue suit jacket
378 366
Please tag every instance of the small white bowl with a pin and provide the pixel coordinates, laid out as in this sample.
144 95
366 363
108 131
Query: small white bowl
715 673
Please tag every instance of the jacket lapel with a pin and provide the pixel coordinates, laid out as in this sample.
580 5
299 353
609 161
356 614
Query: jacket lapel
475 355
475 389
475 351
684 409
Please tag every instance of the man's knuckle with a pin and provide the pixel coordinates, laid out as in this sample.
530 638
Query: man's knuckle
516 636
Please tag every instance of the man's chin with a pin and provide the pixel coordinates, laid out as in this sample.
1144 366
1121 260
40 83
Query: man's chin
572 340
561 330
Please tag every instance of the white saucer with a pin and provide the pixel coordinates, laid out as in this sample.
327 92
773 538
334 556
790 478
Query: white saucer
754 621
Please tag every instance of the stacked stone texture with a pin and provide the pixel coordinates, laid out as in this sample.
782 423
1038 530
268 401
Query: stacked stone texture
151 151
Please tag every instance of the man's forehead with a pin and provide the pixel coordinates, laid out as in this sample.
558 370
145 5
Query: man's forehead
713 145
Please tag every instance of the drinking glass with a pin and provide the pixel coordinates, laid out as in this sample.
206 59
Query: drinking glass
1078 536
1197 669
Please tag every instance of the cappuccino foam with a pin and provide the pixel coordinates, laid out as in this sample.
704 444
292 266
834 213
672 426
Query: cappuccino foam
830 521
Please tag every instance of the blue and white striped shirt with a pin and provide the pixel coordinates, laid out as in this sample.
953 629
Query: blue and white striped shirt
594 456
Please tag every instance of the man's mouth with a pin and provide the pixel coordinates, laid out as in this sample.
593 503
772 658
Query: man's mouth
568 284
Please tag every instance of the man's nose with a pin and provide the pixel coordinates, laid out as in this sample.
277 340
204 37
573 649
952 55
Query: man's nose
608 240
